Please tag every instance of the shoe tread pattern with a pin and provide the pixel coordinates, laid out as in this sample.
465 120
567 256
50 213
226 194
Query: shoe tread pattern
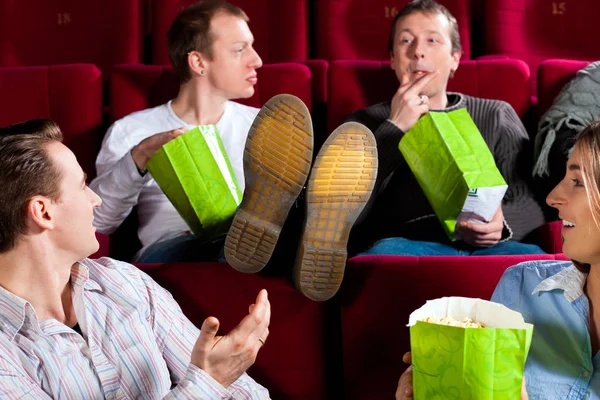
277 161
339 187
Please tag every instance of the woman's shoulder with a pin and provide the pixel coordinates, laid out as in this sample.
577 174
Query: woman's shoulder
538 269
523 278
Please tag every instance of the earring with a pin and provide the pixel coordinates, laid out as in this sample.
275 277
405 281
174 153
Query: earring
202 72
452 72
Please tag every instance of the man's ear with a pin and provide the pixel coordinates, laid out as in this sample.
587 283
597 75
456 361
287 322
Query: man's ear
455 61
40 213
196 63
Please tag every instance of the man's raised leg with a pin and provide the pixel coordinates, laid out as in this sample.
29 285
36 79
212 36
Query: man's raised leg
277 162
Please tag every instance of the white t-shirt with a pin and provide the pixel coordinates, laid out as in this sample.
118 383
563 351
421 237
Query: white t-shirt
121 187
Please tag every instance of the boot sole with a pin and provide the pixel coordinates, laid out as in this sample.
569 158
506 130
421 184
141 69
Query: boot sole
277 162
340 184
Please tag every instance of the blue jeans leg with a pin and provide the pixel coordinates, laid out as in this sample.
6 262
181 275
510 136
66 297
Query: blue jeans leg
508 248
404 247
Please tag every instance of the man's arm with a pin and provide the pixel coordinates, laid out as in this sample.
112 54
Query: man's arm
389 127
201 364
180 344
511 153
121 176
407 106
16 385
118 182
388 136
519 212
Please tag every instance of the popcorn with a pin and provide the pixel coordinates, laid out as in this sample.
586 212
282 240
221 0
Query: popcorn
472 362
465 323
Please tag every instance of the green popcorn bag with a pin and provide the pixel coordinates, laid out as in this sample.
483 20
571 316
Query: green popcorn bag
195 174
454 167
467 363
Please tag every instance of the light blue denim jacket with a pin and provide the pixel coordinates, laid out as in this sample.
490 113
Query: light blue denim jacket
550 295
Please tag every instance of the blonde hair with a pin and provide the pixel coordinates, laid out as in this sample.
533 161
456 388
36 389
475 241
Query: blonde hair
26 170
190 31
587 144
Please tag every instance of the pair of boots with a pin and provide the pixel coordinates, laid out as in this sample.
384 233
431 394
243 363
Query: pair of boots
277 162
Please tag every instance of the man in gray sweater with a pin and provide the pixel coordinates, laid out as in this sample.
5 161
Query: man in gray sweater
425 51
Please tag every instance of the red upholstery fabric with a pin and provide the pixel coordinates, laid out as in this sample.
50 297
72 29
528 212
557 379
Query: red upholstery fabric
280 28
359 29
136 87
550 237
71 31
357 84
71 95
379 293
318 72
552 76
292 363
103 250
536 30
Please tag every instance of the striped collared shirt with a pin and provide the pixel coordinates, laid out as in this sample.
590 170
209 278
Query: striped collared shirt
135 344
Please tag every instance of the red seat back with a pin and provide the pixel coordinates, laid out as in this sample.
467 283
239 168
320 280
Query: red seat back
354 85
536 30
292 362
377 297
359 29
70 95
103 241
553 75
280 28
137 87
41 32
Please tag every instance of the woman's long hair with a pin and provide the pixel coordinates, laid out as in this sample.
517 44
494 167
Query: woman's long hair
588 146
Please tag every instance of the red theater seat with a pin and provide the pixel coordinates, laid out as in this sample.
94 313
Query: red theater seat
292 362
354 85
359 29
136 87
280 28
41 32
377 297
70 95
536 30
318 75
103 240
552 76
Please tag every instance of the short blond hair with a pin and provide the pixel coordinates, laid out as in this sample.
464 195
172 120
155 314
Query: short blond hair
190 31
26 170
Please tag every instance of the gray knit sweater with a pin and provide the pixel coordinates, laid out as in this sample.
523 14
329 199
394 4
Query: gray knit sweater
398 206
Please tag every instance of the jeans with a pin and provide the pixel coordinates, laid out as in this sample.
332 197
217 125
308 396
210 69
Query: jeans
404 247
184 248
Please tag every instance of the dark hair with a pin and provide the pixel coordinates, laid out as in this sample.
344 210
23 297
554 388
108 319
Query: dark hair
26 170
190 31
426 7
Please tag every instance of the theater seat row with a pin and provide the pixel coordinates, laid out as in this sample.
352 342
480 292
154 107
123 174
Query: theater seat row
110 32
72 96
350 347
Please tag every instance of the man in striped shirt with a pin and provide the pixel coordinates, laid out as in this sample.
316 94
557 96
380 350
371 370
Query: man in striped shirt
74 328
